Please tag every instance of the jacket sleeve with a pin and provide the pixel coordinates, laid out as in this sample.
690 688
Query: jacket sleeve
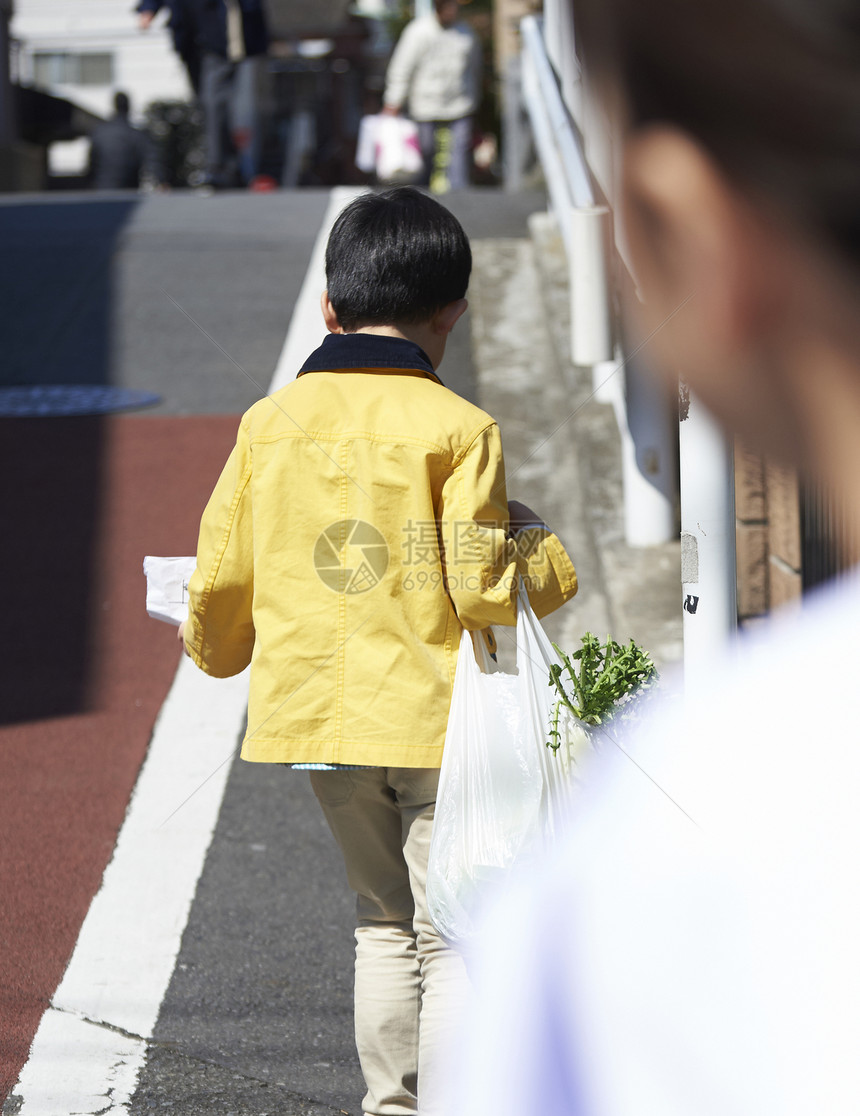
402 66
481 561
219 634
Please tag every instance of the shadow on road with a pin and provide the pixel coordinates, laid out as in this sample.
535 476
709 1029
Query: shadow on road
56 298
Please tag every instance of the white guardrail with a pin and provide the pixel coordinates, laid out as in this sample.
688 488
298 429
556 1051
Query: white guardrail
648 440
584 226
648 434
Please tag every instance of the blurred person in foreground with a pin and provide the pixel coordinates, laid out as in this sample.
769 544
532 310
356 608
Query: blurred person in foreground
435 73
692 948
118 151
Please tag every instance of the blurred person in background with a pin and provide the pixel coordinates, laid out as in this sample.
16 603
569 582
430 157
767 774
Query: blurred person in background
221 43
435 73
183 29
118 151
692 948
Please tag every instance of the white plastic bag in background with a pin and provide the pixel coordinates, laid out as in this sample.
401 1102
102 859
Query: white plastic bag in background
502 792
388 147
365 147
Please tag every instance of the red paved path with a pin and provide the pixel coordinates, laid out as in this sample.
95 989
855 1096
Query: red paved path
83 671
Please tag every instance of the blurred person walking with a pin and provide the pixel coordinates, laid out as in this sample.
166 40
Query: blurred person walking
183 29
435 73
118 150
222 43
692 949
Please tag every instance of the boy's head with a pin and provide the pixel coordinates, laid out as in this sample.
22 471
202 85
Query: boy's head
395 258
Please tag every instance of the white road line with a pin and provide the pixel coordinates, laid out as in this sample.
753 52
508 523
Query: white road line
309 330
91 1043
81 1061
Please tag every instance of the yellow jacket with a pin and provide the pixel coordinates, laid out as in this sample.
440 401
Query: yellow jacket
360 522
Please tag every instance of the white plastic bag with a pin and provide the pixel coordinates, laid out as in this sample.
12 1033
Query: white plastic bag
502 792
388 146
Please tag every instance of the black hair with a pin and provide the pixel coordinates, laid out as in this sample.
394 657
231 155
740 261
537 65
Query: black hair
121 104
395 256
771 88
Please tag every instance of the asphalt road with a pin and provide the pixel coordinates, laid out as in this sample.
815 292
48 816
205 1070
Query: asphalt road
190 298
258 1016
154 293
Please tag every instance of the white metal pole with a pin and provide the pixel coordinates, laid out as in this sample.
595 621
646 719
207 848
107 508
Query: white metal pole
650 462
535 42
591 320
552 26
551 160
648 459
423 8
569 74
708 558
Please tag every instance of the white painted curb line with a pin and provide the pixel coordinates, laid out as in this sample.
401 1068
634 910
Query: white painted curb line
307 330
91 1043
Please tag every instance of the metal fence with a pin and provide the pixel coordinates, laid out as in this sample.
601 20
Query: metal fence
578 151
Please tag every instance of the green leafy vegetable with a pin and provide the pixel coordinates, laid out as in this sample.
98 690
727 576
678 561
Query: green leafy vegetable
607 676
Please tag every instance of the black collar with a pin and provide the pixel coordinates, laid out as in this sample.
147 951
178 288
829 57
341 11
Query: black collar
340 352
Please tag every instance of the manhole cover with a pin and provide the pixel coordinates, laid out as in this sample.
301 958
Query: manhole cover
48 400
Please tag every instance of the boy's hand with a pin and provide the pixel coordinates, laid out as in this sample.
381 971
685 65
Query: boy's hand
522 516
180 635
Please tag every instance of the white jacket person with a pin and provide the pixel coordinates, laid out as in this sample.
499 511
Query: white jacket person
435 70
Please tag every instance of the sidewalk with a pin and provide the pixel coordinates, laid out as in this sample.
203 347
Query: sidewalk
562 447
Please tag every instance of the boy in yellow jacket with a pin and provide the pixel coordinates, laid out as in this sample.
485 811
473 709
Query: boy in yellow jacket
360 523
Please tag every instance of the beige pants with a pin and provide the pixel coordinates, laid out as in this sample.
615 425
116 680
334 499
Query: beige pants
410 987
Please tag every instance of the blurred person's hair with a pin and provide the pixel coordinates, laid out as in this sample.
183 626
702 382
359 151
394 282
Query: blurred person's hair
121 103
771 88
395 256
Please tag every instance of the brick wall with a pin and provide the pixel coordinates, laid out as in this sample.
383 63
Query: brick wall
767 509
